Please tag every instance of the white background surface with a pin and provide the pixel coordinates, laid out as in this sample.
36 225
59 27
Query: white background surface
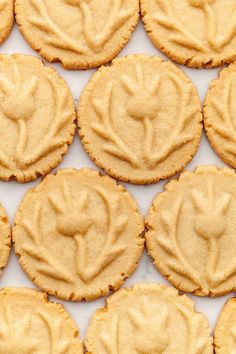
11 193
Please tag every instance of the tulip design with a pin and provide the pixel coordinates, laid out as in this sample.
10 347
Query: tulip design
18 105
73 220
151 325
210 223
143 106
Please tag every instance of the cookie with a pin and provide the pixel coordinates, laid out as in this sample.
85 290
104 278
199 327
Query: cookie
6 18
196 33
140 119
191 231
225 331
148 318
5 239
29 323
219 113
78 235
36 118
80 34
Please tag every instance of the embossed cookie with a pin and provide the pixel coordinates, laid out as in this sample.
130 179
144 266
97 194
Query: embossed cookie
145 123
36 118
5 239
219 115
197 33
6 18
225 331
29 323
191 231
148 318
80 34
78 234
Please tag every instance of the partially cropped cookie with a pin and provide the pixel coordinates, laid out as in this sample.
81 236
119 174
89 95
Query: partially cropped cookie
6 18
140 119
29 323
225 331
148 318
197 33
78 234
191 231
36 118
219 115
80 34
5 239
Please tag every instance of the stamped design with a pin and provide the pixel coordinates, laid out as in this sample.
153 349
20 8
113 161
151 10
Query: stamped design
211 41
208 208
23 111
142 320
29 322
133 115
92 38
92 224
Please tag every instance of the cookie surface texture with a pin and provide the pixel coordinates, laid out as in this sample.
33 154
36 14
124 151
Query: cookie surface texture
197 33
32 324
225 331
5 239
6 18
148 318
145 123
219 115
36 118
191 231
78 234
79 34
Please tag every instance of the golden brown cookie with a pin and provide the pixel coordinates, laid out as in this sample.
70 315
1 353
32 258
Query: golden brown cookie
36 118
78 234
191 231
80 34
148 319
29 323
219 115
5 239
197 33
140 119
225 331
6 18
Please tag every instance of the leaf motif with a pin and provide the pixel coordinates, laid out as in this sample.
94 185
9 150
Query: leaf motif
52 266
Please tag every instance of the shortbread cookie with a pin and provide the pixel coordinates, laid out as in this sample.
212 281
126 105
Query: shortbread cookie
78 234
197 33
225 332
148 319
29 323
140 119
6 18
5 239
219 115
191 231
80 34
36 118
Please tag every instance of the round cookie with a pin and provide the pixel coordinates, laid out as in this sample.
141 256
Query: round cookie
5 239
80 34
219 115
196 33
225 331
145 123
148 318
78 235
6 18
32 324
36 118
191 231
